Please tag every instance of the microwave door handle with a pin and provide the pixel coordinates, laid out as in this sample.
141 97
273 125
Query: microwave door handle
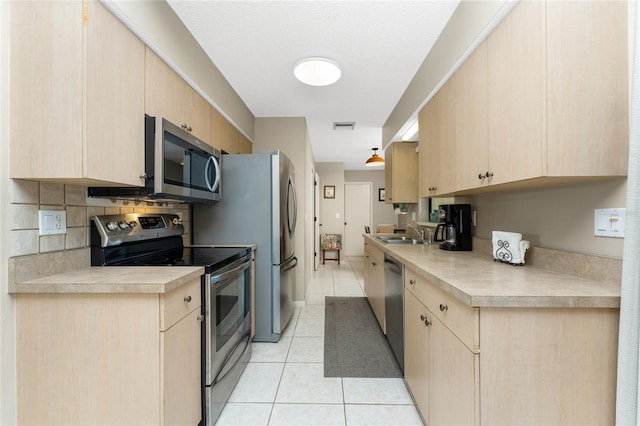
207 168
216 182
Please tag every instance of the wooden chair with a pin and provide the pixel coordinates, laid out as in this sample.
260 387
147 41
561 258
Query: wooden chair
331 242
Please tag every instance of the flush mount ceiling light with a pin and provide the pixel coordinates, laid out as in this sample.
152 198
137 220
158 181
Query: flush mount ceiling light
374 160
317 71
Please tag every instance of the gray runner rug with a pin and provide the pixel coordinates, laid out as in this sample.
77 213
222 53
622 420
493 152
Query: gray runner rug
354 345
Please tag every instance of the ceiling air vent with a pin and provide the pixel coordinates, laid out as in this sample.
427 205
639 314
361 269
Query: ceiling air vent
344 125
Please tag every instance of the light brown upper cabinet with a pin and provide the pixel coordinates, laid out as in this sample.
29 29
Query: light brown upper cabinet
472 137
75 104
436 159
227 138
544 99
401 173
558 92
169 96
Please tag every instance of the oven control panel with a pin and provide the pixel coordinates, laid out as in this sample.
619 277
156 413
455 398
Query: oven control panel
116 229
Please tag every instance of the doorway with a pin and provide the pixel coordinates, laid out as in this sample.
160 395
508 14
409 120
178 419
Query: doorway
357 215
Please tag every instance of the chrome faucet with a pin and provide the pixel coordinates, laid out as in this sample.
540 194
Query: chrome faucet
419 231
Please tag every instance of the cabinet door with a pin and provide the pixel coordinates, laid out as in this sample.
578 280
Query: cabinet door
244 145
401 173
374 283
169 96
216 131
437 143
46 90
199 119
472 133
416 352
452 378
114 100
587 88
517 94
180 354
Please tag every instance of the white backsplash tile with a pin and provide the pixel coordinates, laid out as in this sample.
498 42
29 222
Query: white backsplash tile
76 216
51 193
23 216
75 195
23 192
76 238
50 243
23 242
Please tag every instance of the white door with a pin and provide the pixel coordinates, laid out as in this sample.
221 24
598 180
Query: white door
316 221
357 215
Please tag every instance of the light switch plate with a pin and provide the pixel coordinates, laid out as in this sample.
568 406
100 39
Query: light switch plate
609 222
52 222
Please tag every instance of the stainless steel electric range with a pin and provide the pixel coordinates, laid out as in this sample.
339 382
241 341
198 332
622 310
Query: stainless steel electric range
156 240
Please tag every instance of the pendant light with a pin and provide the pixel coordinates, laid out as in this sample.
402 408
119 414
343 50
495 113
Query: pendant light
374 160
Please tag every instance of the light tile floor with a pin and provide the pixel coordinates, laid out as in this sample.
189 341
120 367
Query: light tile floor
284 382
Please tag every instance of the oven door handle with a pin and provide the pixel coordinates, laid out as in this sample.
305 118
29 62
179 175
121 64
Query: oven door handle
221 277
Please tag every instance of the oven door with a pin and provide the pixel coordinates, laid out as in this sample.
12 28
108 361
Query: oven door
227 317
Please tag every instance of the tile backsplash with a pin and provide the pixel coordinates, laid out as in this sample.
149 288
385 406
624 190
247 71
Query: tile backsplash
27 197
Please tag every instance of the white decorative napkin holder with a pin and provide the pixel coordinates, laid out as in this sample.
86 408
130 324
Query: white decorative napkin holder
509 247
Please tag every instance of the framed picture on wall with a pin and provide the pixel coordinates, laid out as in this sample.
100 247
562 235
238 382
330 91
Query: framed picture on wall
329 191
381 194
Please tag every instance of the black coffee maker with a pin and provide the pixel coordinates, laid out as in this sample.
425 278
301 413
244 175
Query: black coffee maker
454 231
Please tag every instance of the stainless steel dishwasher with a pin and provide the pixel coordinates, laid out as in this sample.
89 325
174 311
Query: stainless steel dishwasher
394 306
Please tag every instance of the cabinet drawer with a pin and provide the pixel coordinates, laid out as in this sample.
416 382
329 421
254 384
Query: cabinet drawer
457 316
178 303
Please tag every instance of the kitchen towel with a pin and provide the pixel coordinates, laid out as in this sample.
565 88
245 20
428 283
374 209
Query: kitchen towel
509 247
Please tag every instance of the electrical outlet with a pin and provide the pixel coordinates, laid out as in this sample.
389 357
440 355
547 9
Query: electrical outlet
609 222
51 222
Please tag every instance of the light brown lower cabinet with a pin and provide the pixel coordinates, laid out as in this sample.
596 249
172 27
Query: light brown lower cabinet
374 283
523 365
109 358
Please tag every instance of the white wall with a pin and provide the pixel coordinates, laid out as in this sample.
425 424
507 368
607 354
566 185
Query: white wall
331 209
558 218
290 135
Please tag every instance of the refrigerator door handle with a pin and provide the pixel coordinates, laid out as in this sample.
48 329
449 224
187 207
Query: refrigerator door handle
292 223
285 266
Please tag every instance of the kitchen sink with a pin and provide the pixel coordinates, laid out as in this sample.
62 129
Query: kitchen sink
401 240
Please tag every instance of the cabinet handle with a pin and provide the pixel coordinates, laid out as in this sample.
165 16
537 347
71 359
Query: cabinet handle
443 307
481 176
188 299
489 174
143 176
374 263
200 318
425 320
412 282
186 127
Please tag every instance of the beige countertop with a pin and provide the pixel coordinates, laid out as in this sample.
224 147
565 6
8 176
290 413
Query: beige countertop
480 282
114 279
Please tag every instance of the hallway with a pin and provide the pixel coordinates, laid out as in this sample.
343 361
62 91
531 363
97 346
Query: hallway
284 382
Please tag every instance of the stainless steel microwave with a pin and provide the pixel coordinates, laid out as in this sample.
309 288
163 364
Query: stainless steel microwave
178 167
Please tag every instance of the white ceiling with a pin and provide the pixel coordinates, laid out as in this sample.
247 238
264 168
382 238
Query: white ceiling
378 44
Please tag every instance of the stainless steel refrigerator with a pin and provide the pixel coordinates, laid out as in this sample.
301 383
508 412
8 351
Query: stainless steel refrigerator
258 206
